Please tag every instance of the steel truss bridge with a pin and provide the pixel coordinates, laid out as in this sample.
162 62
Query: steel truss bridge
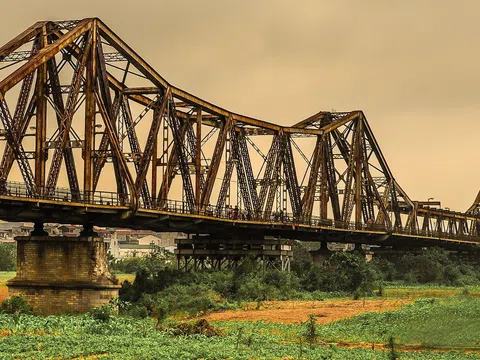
92 134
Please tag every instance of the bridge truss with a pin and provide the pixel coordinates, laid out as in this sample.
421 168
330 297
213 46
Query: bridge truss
93 134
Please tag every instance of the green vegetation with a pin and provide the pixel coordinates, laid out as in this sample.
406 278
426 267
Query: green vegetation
119 337
6 275
159 290
399 290
15 305
448 323
155 261
147 326
431 266
8 256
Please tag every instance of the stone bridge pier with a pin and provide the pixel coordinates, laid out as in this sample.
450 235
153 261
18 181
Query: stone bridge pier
59 274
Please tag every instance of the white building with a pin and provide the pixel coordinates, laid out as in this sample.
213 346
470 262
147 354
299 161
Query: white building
143 246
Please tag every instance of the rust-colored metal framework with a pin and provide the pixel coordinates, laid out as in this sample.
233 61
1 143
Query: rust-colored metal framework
90 127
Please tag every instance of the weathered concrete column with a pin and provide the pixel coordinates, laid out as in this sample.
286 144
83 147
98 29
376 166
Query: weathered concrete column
62 275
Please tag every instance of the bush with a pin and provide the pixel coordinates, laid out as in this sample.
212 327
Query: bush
200 327
343 271
154 262
102 313
310 333
15 305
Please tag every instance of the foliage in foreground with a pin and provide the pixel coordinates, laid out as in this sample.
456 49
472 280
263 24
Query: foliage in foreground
15 305
428 322
63 337
169 291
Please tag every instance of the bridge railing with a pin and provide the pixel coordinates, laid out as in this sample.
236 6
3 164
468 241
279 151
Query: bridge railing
436 234
235 213
106 198
18 189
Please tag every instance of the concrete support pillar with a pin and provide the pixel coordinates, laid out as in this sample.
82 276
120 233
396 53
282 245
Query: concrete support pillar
322 254
62 275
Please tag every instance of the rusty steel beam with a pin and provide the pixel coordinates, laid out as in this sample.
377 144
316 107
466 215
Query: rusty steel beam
151 142
41 116
142 91
24 37
64 128
198 159
60 114
107 99
15 143
215 163
8 154
117 152
90 116
309 195
182 156
136 151
291 177
169 173
43 56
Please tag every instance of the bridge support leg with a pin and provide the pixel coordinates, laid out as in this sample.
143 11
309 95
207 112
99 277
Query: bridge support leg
58 275
210 252
322 254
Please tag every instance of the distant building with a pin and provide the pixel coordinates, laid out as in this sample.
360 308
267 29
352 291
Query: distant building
142 246
121 242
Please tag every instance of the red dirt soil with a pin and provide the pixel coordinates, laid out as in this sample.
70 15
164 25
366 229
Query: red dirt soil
293 312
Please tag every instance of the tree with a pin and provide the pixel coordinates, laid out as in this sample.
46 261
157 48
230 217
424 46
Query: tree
8 256
302 260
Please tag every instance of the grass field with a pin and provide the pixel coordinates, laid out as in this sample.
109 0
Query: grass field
427 323
427 291
75 337
444 327
122 277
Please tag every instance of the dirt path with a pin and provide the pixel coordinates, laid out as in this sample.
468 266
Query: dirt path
293 312
3 292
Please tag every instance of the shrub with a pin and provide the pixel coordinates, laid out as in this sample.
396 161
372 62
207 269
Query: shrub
102 313
201 327
15 305
310 333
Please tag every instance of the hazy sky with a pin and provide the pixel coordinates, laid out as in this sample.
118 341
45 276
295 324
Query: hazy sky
412 66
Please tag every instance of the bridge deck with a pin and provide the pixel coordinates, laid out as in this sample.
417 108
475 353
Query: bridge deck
106 209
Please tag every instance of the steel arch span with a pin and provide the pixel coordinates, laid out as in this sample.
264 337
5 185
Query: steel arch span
93 134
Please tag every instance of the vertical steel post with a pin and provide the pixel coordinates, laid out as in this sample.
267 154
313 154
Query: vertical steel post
154 164
41 118
90 117
198 160
358 173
